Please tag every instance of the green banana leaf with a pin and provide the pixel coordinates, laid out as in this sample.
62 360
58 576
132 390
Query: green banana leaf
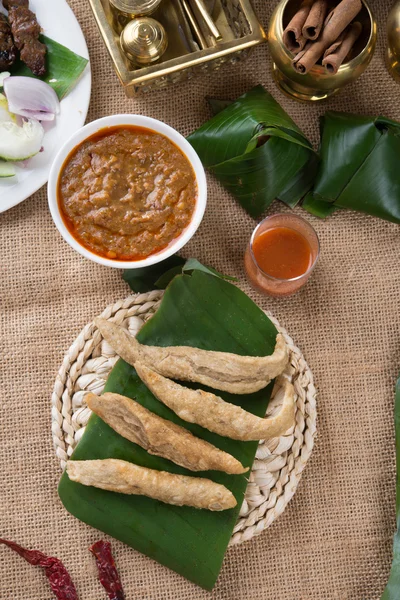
160 275
392 590
359 168
198 310
144 279
64 67
192 264
256 151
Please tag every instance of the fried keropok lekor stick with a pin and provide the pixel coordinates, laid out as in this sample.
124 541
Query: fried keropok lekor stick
219 370
127 478
216 415
8 50
25 30
159 436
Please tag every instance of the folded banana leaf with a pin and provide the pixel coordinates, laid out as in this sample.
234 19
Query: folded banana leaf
359 167
198 309
256 151
392 590
64 67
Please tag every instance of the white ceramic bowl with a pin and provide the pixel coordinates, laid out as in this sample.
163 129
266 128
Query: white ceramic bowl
140 121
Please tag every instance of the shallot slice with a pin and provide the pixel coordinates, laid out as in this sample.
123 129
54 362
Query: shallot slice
31 98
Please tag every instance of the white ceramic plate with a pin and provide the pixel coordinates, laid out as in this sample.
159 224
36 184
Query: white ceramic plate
58 22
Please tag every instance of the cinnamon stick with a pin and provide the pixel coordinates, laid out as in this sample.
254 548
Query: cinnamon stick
336 22
315 20
336 44
338 52
292 36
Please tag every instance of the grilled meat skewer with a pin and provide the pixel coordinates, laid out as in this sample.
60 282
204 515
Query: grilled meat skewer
9 3
26 30
8 51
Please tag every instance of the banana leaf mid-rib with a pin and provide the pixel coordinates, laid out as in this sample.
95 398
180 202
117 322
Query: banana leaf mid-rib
256 151
359 167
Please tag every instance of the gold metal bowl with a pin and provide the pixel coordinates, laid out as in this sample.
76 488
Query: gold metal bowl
393 31
317 84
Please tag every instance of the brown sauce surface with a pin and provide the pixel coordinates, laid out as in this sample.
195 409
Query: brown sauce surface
126 192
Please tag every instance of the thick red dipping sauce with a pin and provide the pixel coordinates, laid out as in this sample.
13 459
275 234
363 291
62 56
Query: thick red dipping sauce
282 253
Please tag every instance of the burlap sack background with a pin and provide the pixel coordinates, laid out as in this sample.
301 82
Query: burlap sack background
334 540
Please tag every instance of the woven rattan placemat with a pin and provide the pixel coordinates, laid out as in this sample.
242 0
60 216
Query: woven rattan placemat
334 540
279 462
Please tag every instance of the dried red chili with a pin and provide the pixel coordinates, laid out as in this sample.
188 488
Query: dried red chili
108 573
58 576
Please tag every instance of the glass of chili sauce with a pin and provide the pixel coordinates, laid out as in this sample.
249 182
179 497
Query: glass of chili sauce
281 255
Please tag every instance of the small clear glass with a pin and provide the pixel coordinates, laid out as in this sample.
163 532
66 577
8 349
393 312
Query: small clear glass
267 284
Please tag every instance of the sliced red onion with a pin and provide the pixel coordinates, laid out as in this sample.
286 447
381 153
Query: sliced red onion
24 164
31 98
